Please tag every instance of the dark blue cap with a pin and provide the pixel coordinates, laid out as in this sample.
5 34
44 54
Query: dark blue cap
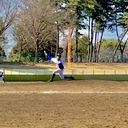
59 54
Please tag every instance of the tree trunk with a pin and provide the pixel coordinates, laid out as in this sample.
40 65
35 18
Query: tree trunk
76 47
91 42
122 51
119 40
99 46
80 57
125 44
36 51
57 41
19 59
20 52
118 45
95 48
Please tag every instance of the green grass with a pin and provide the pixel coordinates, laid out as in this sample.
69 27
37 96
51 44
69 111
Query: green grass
27 77
81 71
36 77
77 77
119 77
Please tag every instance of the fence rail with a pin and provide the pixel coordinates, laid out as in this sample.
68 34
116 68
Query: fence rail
73 72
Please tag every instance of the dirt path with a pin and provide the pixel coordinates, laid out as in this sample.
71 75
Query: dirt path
64 110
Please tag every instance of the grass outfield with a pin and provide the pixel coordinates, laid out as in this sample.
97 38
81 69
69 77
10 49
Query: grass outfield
77 77
81 71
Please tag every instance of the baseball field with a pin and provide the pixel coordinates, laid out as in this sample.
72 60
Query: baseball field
65 104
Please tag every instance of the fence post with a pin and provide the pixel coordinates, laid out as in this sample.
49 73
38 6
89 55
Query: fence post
4 72
126 72
93 72
26 72
72 71
82 72
35 71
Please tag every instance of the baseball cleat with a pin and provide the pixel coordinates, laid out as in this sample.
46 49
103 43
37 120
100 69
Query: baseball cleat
50 80
72 78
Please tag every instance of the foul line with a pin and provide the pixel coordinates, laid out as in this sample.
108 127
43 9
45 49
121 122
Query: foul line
63 92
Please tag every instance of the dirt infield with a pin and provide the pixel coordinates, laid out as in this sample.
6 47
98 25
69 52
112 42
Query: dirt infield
64 104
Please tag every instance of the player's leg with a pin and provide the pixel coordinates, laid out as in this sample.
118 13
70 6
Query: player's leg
61 73
3 77
63 76
53 75
69 77
52 78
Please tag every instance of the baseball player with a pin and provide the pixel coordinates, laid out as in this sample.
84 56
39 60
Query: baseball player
59 67
2 75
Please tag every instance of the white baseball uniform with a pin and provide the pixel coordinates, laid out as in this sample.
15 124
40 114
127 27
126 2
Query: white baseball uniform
59 64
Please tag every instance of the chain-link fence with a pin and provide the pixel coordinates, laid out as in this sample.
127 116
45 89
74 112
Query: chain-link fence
72 72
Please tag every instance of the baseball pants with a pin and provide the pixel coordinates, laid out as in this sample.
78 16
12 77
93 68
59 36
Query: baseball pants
60 72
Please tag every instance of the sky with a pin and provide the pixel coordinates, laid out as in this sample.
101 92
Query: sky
112 35
107 34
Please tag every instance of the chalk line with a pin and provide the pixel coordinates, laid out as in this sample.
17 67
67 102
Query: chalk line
63 92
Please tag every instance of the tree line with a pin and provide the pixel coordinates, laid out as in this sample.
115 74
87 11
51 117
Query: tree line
37 25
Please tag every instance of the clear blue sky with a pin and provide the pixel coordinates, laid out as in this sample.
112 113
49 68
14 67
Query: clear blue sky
107 34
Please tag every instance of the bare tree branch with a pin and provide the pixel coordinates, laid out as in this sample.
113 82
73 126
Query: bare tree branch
8 12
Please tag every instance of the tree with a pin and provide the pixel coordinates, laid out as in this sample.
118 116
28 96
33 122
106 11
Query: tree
120 10
82 48
107 49
103 14
42 30
78 7
37 22
93 15
8 12
2 52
